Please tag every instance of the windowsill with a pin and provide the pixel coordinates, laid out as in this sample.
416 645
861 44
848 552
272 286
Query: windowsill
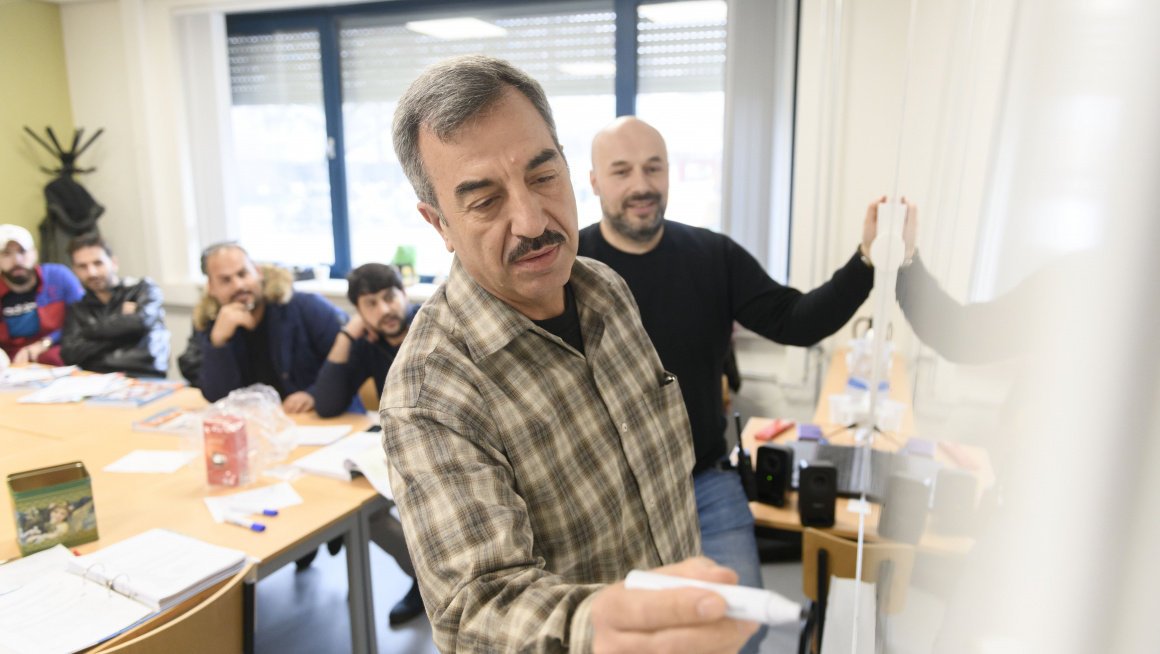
187 295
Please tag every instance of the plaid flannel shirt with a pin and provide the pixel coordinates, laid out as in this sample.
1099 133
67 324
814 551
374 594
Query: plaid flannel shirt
527 475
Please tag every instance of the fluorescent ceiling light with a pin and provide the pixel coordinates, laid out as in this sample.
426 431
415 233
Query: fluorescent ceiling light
587 68
456 28
698 11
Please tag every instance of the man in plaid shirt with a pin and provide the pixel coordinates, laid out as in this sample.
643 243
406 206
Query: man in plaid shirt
539 451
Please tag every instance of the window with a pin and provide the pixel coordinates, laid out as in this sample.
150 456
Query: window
314 91
681 72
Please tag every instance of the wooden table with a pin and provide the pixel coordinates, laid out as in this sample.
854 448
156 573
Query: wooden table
846 522
128 504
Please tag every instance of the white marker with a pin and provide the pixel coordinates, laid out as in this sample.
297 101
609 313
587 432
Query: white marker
240 521
744 603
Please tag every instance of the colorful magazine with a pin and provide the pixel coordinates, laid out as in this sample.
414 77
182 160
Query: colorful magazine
173 420
135 395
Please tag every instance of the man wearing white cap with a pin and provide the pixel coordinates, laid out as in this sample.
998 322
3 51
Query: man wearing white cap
32 299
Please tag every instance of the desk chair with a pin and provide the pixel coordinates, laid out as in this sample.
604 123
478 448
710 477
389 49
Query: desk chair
217 623
886 564
369 393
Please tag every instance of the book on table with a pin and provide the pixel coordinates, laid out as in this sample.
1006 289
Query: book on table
54 602
360 453
174 420
136 395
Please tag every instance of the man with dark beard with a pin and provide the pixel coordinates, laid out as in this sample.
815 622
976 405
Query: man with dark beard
32 300
252 327
367 345
690 285
119 325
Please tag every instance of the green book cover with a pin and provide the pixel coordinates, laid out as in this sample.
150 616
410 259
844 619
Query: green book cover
53 506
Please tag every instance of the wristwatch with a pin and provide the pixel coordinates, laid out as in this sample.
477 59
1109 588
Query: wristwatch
46 342
864 257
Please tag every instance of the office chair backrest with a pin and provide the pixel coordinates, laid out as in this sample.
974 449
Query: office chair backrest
842 561
369 392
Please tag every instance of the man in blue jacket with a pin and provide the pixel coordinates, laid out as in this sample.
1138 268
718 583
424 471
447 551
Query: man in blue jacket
251 327
32 300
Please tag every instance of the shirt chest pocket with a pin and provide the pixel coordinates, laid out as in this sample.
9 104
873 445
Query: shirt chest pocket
661 418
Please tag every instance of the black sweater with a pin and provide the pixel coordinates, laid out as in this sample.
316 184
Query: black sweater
693 285
339 383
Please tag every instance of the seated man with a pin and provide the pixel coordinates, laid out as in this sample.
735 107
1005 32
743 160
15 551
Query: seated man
538 450
119 325
33 300
252 327
366 347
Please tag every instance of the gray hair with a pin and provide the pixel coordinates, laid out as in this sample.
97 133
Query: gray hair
448 94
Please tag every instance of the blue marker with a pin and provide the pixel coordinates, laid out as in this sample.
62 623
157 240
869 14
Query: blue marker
245 522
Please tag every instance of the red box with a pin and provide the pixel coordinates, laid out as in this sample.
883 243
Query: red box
226 460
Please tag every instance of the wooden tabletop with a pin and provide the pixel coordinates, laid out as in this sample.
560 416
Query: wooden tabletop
127 504
845 521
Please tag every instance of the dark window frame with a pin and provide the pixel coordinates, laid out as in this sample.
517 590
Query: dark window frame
326 21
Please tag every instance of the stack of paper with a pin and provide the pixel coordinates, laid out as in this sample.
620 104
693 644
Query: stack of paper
75 389
31 377
46 610
159 568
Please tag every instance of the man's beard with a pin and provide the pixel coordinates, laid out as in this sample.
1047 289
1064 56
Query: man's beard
95 284
622 225
403 324
15 279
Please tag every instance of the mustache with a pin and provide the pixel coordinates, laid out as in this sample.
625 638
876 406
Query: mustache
655 197
529 245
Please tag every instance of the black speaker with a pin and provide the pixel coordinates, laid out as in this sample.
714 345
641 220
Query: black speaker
904 509
817 493
772 474
954 502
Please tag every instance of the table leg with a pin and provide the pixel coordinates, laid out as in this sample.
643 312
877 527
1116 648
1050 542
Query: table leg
248 615
358 571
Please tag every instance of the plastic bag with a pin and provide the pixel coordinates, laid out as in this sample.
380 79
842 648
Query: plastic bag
240 436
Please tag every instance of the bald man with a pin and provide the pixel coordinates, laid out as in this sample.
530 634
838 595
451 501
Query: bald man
690 285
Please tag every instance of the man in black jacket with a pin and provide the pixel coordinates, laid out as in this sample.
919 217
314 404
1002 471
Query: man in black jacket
119 324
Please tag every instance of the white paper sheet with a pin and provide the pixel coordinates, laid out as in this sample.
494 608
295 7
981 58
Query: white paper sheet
372 463
317 435
60 613
330 461
278 496
21 571
75 389
33 375
156 461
